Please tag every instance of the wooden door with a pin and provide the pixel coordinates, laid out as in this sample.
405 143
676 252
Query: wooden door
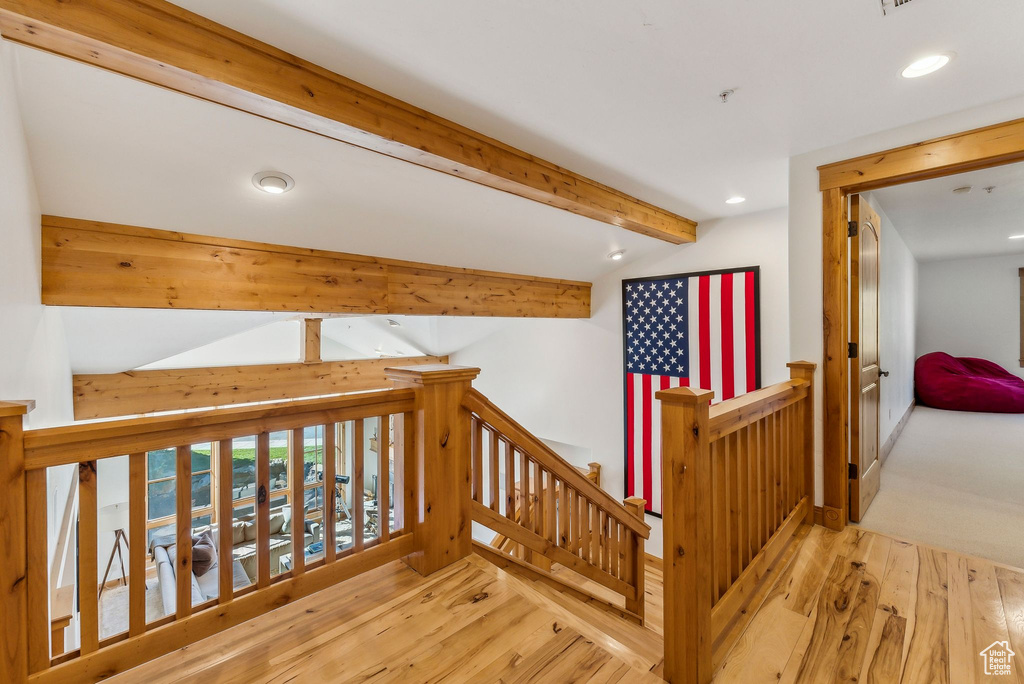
866 470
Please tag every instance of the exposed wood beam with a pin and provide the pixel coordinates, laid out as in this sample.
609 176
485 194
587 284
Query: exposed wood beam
122 394
979 148
89 263
160 43
311 340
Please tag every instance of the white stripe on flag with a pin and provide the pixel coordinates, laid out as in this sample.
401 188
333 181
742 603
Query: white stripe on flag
655 445
739 327
716 336
692 323
638 434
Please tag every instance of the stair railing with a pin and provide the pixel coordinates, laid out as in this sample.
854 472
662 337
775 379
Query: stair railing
524 491
738 483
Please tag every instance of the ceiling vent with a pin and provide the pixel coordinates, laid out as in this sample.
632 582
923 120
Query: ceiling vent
892 5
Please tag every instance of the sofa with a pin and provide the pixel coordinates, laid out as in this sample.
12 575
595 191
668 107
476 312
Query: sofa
243 561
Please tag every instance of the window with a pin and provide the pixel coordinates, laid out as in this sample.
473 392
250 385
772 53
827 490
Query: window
161 500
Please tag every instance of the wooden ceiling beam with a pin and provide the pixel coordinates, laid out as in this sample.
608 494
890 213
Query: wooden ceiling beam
105 395
90 263
160 43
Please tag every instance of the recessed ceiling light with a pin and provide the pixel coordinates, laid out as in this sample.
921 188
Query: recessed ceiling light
1017 237
273 182
736 200
925 65
617 255
963 190
393 323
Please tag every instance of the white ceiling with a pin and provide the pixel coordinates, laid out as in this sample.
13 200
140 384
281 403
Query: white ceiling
625 91
110 148
937 223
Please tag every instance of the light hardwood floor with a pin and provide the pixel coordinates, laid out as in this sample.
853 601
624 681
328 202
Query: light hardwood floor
851 607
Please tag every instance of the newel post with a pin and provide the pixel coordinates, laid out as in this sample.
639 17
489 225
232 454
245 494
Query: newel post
686 531
13 543
804 370
440 516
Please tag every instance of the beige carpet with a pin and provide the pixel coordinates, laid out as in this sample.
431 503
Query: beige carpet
956 480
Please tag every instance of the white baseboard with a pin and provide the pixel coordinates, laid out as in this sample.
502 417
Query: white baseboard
897 431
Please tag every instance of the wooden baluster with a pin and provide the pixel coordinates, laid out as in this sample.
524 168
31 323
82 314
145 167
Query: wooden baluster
735 506
770 453
183 550
510 481
495 472
296 478
595 535
550 509
613 555
779 471
37 580
720 524
583 520
536 496
785 462
804 370
478 460
562 536
225 521
331 490
751 459
687 529
88 569
763 475
137 544
263 510
636 562
384 479
358 488
410 483
572 520
524 499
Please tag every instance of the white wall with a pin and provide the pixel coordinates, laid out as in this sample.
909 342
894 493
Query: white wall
33 356
897 317
562 379
805 279
970 307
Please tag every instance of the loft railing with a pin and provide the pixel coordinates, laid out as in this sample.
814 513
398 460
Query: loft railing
338 487
738 482
537 500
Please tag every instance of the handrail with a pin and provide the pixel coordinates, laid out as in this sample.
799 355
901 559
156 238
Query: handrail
514 432
734 414
90 441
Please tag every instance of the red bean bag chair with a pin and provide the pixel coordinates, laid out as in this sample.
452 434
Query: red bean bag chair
965 384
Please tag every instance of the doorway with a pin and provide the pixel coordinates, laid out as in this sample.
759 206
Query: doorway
839 183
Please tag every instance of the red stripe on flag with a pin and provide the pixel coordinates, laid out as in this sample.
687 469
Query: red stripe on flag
630 455
751 331
728 348
704 331
648 419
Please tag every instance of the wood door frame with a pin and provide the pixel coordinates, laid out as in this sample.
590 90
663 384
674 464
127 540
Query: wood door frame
967 151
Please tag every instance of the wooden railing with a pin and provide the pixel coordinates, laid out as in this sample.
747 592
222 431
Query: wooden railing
26 616
526 492
738 482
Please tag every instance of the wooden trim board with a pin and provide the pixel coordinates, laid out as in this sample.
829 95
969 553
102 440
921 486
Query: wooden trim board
952 154
897 431
91 263
159 43
147 391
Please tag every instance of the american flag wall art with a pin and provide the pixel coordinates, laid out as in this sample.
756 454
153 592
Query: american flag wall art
687 330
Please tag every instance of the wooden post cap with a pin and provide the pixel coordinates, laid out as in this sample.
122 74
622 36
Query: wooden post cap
809 365
16 408
431 374
685 395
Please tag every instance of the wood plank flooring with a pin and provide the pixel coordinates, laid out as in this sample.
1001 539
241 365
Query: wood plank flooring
855 606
